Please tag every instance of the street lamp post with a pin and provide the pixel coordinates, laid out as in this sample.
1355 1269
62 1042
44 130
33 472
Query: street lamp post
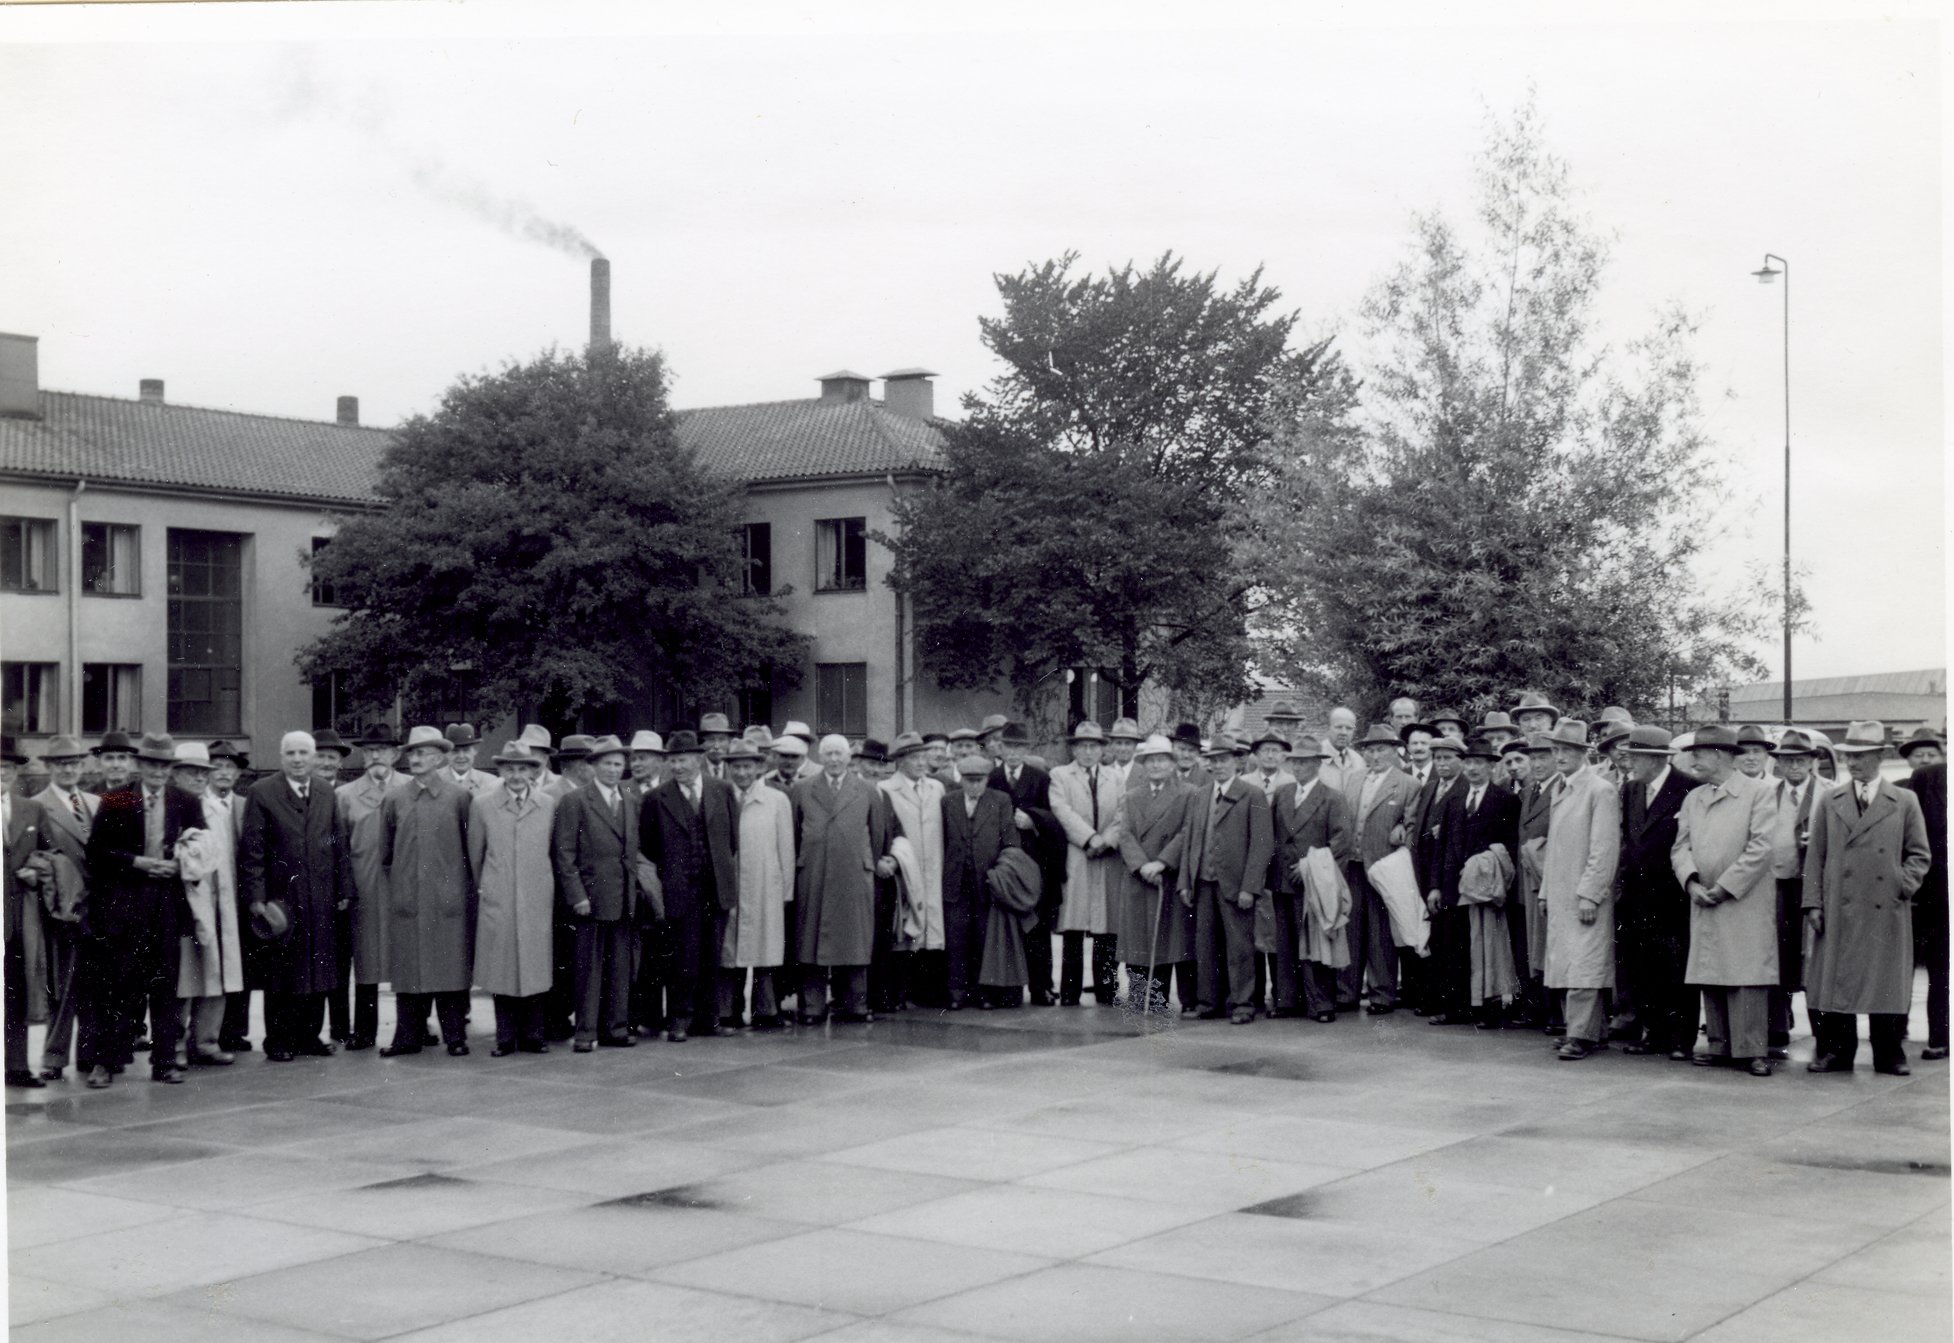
1765 275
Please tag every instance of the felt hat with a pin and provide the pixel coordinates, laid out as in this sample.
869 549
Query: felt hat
576 746
931 738
796 728
1539 743
1498 720
1269 738
1796 741
325 739
1515 745
646 740
115 741
974 766
790 746
1429 729
1607 733
1922 736
192 755
1282 711
1479 748
608 744
1187 734
1867 734
1223 744
520 753
1157 744
1446 742
428 736
271 920
1648 740
965 734
875 752
1125 729
1016 734
463 734
992 722
907 743
157 746
1715 737
759 736
683 742
1451 716
1087 730
537 736
1750 734
223 750
1309 747
376 734
1380 734
10 751
715 723
1532 703
742 750
63 748
1569 732
1614 713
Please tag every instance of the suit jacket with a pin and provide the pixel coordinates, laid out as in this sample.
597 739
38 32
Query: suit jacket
684 865
1345 774
1791 827
26 836
1649 889
1319 821
1929 786
971 844
1388 808
124 901
1437 808
66 835
1229 840
1045 841
298 854
1468 833
594 853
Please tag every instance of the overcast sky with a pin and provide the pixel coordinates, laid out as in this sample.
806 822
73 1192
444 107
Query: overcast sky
270 207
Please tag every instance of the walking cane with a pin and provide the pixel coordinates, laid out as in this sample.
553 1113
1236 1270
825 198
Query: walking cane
1153 949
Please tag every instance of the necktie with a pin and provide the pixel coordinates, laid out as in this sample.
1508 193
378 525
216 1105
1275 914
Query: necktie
1865 791
152 824
1092 786
80 811
1472 803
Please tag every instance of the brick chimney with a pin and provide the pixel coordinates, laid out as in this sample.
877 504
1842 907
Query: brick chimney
349 410
20 376
600 304
909 391
150 391
844 386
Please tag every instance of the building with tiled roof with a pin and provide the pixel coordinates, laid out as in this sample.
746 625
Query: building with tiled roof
152 555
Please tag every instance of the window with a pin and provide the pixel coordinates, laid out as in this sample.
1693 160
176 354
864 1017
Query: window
27 554
1092 696
206 631
756 699
756 575
840 555
329 705
29 705
841 698
111 559
111 697
322 593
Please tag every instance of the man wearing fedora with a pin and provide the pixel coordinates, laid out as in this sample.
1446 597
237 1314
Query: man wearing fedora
977 827
1123 738
1530 767
1229 844
24 827
329 752
755 937
510 831
1534 713
1869 855
574 758
69 814
430 896
1652 909
842 843
715 739
1723 859
1577 884
914 807
1029 787
594 850
1794 794
1304 816
1929 786
116 756
1922 749
689 831
1384 801
1434 984
461 760
1187 745
1480 816
1753 751
136 914
210 956
359 818
1085 798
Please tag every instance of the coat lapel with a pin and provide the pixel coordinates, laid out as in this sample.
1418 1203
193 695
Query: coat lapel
1858 824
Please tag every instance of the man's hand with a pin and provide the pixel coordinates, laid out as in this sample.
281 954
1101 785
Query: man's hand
581 909
1151 871
28 877
1431 903
885 866
1022 821
156 867
1587 909
1302 868
1397 834
1701 894
1246 900
1815 920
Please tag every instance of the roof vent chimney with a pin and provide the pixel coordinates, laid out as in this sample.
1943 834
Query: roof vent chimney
908 391
349 410
20 376
600 304
844 386
150 391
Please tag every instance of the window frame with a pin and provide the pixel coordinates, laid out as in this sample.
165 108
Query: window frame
749 563
111 672
846 529
50 553
88 589
854 677
219 616
323 593
44 694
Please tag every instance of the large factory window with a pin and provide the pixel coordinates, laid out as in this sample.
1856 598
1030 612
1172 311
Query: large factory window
841 698
840 555
206 631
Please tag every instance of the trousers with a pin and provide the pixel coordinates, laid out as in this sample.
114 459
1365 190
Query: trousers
1837 1034
1587 1018
294 1019
1738 1019
1072 966
1288 985
1930 946
410 1011
850 987
601 976
63 946
1791 958
1224 941
1373 954
732 993
520 1021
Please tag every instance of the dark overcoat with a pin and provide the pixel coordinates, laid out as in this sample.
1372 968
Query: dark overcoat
841 831
665 830
298 854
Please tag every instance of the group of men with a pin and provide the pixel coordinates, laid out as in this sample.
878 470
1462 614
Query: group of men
1521 872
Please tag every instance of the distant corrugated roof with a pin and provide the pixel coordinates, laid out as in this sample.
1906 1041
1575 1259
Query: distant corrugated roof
1929 681
794 440
110 438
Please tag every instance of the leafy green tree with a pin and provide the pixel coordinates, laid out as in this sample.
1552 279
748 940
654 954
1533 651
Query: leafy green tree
1082 519
545 529
1518 504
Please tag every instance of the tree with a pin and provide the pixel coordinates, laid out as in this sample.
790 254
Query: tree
1517 504
1081 517
545 530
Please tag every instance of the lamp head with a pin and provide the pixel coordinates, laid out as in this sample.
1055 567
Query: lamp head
1767 273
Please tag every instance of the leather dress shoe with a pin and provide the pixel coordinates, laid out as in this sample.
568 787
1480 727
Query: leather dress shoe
1325 1017
1639 1048
676 1035
1829 1063
429 1039
317 1049
215 1058
1778 1053
585 1047
172 1075
359 1042
51 1074
716 1029
1380 1009
533 1046
1241 1016
501 1051
235 1046
1575 1050
23 1078
1933 1053
99 1077
1556 1031
459 1049
1710 1060
1898 1069
1679 1056
286 1055
396 1051
859 1018
1449 1019
1759 1068
618 1042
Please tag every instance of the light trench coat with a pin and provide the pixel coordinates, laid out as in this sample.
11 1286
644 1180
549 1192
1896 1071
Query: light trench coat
1863 871
509 857
212 963
1723 836
1091 884
756 934
430 891
359 811
1584 842
919 819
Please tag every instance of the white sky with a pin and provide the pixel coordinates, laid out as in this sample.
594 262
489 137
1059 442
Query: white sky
225 197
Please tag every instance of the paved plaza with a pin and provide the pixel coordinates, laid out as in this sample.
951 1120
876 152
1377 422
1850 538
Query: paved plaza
1054 1175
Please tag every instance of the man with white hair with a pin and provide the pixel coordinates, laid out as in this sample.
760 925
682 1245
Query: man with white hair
294 869
835 818
1342 767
